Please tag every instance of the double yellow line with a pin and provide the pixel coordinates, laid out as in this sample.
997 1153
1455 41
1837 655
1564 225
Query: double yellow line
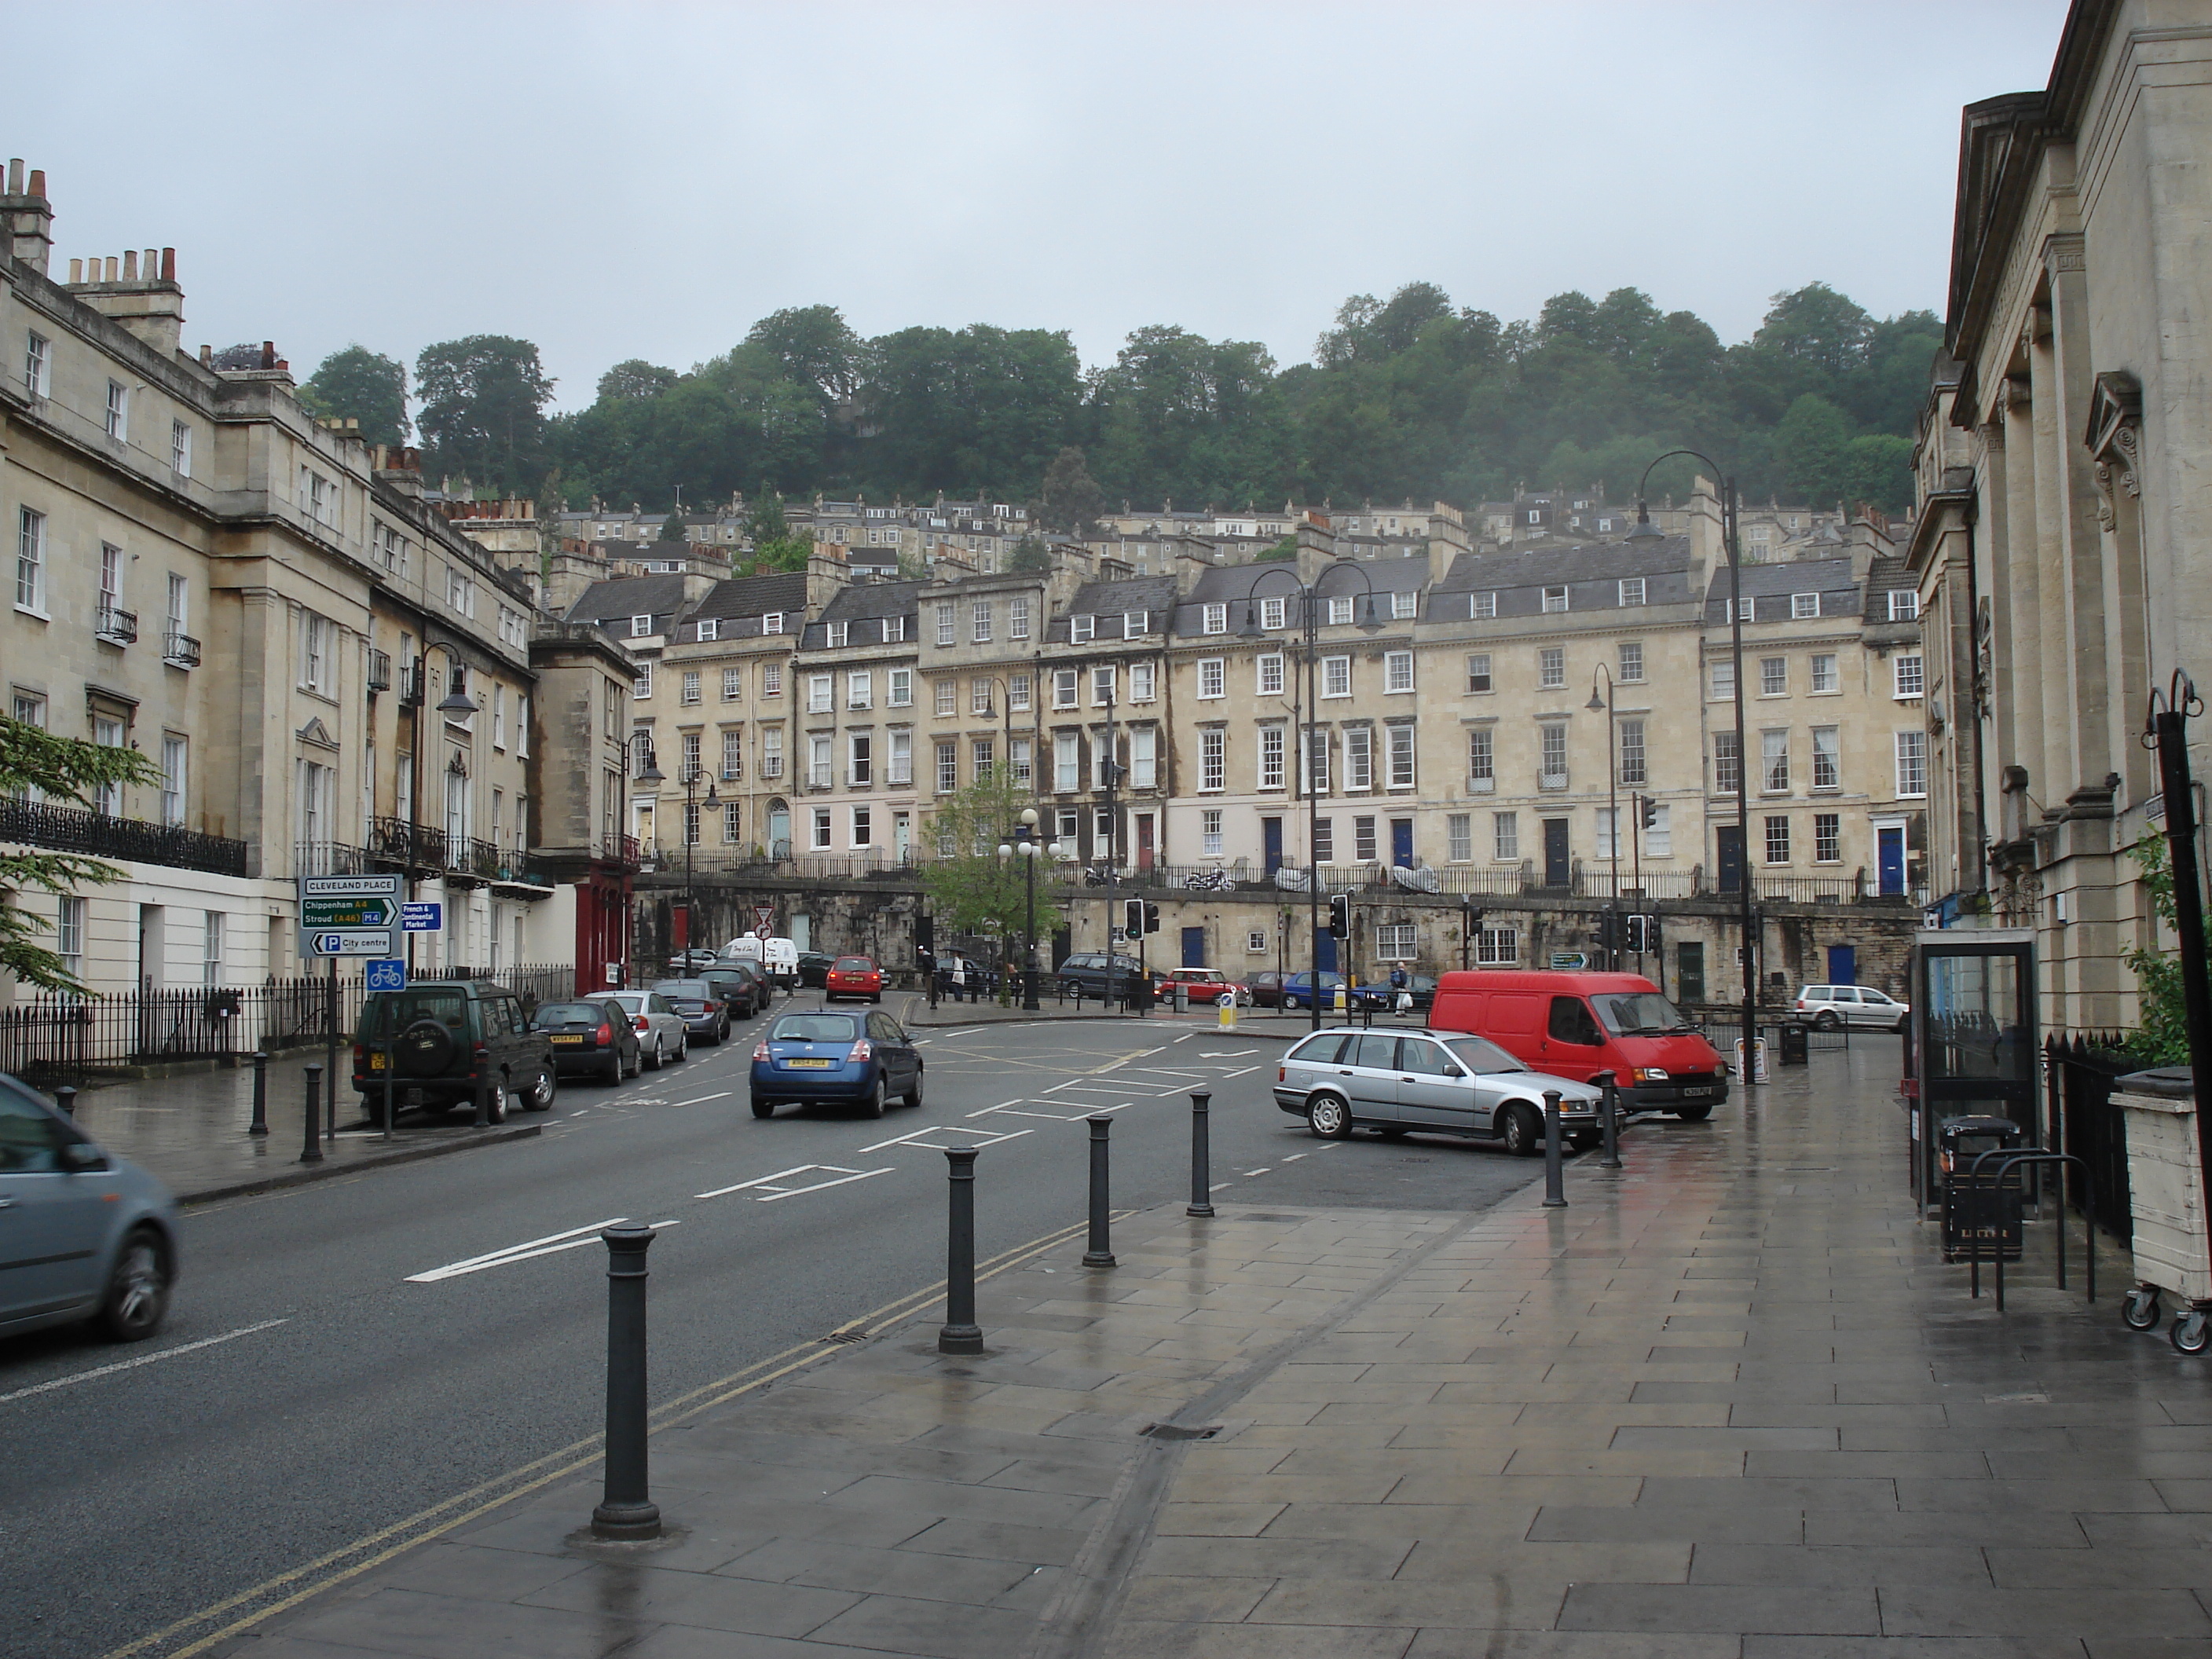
302 1582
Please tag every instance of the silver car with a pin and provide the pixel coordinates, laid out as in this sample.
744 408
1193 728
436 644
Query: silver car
83 1234
1832 1007
1436 1082
662 1036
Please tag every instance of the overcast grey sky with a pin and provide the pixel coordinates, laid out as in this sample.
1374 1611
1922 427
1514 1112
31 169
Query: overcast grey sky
645 180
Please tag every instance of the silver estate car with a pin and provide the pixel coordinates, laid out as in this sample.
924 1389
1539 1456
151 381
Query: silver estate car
83 1234
1435 1082
662 1036
1832 1007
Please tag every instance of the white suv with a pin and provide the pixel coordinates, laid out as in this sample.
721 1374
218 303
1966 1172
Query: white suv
1832 1007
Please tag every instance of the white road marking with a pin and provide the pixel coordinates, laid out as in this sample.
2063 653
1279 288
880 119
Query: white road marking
849 1175
142 1360
978 1138
1218 1185
1262 1170
1293 1157
762 1181
703 1099
552 1245
1246 1072
1228 1053
1185 1036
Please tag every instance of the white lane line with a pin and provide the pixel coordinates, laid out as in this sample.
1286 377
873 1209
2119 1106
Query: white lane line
529 1252
703 1099
842 1180
530 1244
1218 1185
1185 1036
1294 1157
762 1181
1228 1053
1262 1170
142 1360
1246 1072
914 1138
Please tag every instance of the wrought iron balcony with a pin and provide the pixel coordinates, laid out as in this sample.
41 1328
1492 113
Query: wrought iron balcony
380 671
331 857
180 651
95 835
417 846
116 626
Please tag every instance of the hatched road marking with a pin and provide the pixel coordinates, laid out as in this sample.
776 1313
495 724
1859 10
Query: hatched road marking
552 1245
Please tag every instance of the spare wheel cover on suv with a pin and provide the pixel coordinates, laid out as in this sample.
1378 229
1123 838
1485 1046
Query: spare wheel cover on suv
426 1048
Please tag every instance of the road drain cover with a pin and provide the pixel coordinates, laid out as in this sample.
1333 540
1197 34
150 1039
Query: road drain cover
1179 1432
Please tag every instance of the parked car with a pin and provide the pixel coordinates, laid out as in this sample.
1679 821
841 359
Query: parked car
1266 987
779 957
742 987
84 1234
1087 971
1297 992
814 969
853 976
444 1040
660 1029
1421 986
1442 1082
861 1058
706 1016
685 963
1578 1025
1207 987
593 1035
1832 1007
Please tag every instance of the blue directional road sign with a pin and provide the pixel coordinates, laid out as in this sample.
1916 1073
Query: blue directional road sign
425 917
389 975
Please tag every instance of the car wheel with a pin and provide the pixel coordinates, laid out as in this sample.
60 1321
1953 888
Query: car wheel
1520 1131
653 1062
913 1095
1826 1020
1902 1025
138 1288
684 1047
1693 1114
876 998
614 1072
1328 1117
763 1107
495 1103
872 1105
1391 1133
540 1097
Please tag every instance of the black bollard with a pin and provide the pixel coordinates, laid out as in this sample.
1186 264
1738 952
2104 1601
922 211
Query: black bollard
1555 1196
960 1333
626 1510
65 1097
1201 1156
1100 1251
312 1152
260 1124
1610 1083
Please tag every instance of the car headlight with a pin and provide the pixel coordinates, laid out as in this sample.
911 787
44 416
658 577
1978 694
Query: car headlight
1649 1074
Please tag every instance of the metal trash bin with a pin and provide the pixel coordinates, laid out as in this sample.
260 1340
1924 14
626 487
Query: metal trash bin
2165 1196
1797 1042
1990 1209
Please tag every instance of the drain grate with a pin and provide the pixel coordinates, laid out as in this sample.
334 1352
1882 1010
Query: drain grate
846 1337
1264 1215
1179 1432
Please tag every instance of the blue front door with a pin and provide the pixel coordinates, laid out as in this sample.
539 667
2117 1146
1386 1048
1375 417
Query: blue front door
1271 843
1194 947
1325 950
1842 965
1889 857
1402 842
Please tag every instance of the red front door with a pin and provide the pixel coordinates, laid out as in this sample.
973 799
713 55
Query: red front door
1143 841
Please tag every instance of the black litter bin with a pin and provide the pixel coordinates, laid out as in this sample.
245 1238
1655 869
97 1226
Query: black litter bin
1984 1208
1797 1042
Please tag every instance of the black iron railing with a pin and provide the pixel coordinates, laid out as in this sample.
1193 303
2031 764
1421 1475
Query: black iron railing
117 626
180 650
2079 1075
95 835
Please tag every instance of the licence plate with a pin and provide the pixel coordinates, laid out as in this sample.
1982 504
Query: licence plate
376 1063
1695 1091
568 1039
818 1065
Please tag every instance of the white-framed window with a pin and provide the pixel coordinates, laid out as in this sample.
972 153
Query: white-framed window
174 779
820 694
1631 590
1212 677
389 547
1255 942
1777 840
733 823
1358 758
734 684
1103 687
1214 618
1397 672
1551 666
318 653
822 838
1066 683
641 687
771 680
838 634
180 448
1083 628
859 758
1823 676
513 631
772 622
1555 599
1497 946
1271 757
1903 604
860 688
1340 611
687 693
1774 761
980 690
499 716
1551 754
1067 762
1269 674
1728 764
733 753
460 592
1401 756
709 627
1459 837
1209 835
1144 757
1721 676
894 630
176 616
1017 693
980 623
1479 682
900 772
944 628
1273 610
1908 675
69 936
1135 624
1631 660
1505 835
1481 605
212 925
1404 606
1212 761
1827 761
1363 840
1481 759
1396 941
118 411
1018 756
1335 677
945 693
110 588
820 769
640 627
38 365
1630 751
1827 838
1143 682
1773 677
1017 618
318 496
771 751
1911 763
1804 606
898 692
1603 847
864 827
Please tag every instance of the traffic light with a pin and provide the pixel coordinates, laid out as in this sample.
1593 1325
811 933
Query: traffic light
1340 917
1609 930
1152 917
1133 918
1643 935
1648 809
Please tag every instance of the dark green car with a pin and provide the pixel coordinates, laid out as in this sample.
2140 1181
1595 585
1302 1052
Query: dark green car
440 1042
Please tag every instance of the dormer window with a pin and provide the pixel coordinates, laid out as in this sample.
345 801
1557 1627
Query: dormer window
709 627
1133 624
772 622
1903 604
640 627
1082 628
1802 606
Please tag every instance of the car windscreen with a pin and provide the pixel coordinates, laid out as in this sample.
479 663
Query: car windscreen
392 1013
569 1013
1481 1055
814 1027
696 989
853 964
634 1001
1638 1013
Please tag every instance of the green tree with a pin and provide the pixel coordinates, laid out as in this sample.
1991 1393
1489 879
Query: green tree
1031 558
671 528
483 409
1878 469
1286 549
635 378
971 888
2162 1036
1069 498
63 771
1812 445
776 545
358 383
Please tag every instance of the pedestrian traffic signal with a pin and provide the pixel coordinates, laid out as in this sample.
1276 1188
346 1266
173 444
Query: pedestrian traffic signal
1340 917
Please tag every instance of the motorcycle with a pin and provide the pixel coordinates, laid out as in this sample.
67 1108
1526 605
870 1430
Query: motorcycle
1209 881
1097 876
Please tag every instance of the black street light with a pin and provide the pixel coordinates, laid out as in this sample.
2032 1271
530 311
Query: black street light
690 840
1611 807
1024 846
1370 621
1646 531
456 704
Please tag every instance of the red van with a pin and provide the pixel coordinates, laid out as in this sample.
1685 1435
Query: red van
1578 1025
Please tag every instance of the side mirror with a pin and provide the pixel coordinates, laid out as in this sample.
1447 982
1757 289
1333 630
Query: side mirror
82 1156
1454 1071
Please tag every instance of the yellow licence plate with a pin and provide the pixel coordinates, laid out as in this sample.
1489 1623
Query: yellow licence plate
822 1064
376 1063
568 1039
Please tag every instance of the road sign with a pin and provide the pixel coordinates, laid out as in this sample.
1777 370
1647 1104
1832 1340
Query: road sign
316 913
350 942
761 932
765 915
389 975
422 916
349 887
1570 960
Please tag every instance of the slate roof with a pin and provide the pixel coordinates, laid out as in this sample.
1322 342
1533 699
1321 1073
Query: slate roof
1592 574
621 598
1884 577
741 606
860 601
1831 578
1230 584
1153 595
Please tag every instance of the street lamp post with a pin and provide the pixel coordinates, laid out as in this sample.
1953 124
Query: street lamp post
690 839
1646 531
1024 846
1611 809
1369 623
456 702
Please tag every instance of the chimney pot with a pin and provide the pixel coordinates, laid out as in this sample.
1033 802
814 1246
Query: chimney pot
149 265
38 182
168 265
130 265
112 263
269 354
14 175
207 356
76 270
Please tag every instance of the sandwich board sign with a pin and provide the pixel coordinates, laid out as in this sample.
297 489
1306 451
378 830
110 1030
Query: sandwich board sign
350 915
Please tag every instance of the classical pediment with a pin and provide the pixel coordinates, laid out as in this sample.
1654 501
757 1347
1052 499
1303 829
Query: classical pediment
315 732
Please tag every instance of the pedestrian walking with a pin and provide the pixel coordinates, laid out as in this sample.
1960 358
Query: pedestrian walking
959 977
1401 990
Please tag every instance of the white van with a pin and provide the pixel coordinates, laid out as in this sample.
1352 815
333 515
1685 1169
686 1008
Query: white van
779 957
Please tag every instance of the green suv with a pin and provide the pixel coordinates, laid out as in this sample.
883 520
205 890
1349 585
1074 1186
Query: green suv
442 1040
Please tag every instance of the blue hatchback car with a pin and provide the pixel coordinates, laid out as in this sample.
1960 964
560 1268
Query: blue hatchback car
857 1058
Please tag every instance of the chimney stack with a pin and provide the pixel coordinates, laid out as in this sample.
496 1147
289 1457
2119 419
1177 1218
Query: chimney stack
26 219
142 295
